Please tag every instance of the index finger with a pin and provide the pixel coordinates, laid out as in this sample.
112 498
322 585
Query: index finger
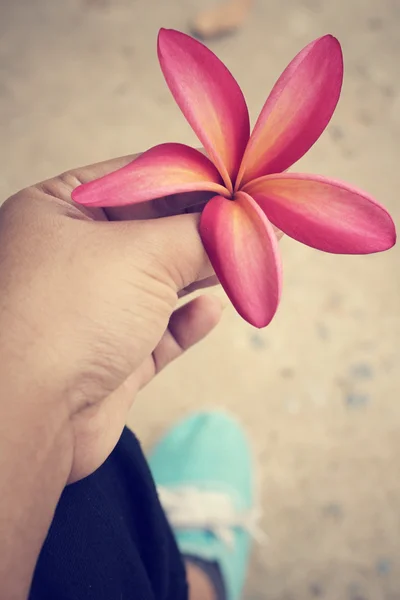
63 185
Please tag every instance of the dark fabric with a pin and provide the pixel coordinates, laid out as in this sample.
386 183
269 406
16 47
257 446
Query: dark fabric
109 539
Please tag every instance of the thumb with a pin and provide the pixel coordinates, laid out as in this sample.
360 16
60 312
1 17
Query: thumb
172 245
173 242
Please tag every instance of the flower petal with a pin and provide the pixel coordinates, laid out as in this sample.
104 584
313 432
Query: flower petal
243 249
208 96
163 170
323 213
297 111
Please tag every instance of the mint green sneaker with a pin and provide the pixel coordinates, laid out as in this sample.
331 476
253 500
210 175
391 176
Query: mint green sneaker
203 470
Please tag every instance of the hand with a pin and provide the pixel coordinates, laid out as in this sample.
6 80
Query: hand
88 310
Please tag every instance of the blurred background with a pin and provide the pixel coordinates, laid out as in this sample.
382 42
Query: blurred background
317 391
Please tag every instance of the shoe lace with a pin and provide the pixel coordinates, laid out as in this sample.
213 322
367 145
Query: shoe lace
191 507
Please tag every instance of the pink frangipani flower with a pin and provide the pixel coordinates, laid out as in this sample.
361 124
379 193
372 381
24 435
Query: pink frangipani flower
254 195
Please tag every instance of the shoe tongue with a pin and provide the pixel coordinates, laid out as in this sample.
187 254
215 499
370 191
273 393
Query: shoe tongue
207 524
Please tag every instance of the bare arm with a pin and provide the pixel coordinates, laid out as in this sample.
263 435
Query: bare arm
35 462
87 317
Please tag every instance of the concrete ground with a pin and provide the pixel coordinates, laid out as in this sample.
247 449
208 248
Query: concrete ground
316 391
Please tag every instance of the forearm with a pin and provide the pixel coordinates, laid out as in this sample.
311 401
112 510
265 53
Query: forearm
35 461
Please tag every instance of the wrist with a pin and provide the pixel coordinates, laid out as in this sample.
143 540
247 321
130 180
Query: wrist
36 453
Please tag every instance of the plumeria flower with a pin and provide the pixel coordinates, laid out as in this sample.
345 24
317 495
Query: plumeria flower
254 195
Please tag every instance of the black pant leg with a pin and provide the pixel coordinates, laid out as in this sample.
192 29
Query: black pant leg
109 539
